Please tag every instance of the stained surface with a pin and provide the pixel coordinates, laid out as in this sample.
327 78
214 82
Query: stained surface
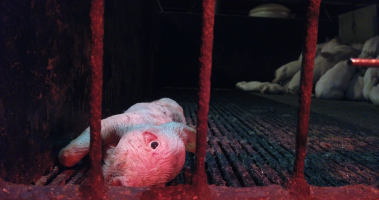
251 142
44 82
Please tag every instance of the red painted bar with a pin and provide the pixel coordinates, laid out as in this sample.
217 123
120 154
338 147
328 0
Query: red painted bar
276 192
359 62
94 188
297 184
199 179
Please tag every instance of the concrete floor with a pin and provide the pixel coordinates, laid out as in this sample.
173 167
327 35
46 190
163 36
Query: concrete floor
361 114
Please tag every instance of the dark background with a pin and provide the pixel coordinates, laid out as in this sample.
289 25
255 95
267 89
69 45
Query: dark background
244 49
148 44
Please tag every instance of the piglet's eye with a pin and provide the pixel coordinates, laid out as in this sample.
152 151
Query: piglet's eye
154 144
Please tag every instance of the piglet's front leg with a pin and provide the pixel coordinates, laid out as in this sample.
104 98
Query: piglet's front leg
79 147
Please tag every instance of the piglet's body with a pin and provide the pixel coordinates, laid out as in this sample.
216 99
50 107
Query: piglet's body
272 88
256 86
294 84
371 79
159 125
155 113
335 81
329 57
370 48
288 70
374 95
371 85
358 46
320 65
355 88
252 86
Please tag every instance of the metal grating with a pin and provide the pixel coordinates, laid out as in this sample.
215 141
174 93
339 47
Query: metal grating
251 142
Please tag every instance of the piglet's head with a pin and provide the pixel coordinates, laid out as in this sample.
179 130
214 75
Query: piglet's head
149 155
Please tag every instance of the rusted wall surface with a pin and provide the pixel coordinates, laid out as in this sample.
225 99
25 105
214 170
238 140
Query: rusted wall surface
44 76
129 46
44 72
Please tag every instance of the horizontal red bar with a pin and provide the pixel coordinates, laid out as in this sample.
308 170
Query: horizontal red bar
348 192
359 62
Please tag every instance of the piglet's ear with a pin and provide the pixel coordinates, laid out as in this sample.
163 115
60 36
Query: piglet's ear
149 137
185 133
188 136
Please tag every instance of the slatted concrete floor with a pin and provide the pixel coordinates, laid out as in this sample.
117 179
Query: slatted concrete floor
251 141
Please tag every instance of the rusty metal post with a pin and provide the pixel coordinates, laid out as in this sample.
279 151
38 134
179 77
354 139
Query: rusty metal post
298 185
94 188
199 179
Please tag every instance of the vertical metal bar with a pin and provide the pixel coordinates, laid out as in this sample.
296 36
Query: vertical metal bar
297 185
94 188
199 179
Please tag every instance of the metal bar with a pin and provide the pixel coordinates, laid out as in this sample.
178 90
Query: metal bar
298 185
44 179
199 179
359 62
349 192
94 188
